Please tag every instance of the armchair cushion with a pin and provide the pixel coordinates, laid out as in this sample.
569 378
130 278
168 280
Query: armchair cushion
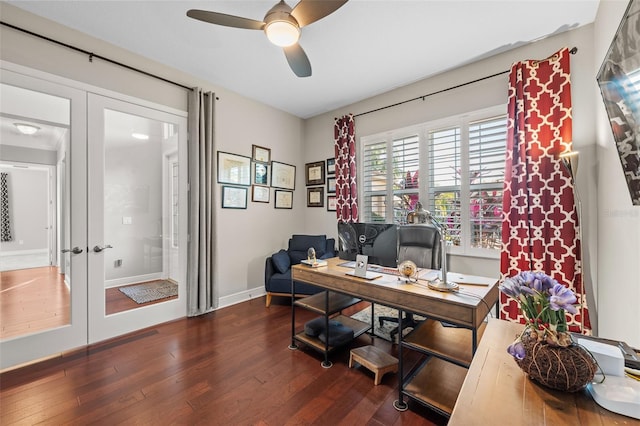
281 261
300 244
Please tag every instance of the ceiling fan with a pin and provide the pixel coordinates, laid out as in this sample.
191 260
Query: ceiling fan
281 24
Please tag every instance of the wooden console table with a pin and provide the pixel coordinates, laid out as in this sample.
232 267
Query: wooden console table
448 350
497 392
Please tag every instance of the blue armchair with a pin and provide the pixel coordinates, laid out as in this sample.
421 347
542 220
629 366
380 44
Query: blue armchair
277 267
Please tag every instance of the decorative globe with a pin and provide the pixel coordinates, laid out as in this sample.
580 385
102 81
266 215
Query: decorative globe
407 269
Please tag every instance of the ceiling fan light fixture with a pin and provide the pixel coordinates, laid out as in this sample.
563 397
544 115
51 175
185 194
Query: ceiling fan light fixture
282 33
26 129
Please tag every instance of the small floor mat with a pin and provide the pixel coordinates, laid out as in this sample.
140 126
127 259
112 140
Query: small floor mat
148 292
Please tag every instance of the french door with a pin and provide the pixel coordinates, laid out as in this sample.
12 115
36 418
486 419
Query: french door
43 327
137 228
120 208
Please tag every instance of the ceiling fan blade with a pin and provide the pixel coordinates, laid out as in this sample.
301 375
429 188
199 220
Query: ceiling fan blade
298 60
226 20
309 11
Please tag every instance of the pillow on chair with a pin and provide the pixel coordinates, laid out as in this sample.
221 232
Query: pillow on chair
281 261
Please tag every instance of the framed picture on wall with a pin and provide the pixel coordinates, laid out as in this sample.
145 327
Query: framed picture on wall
260 154
331 185
315 197
234 197
234 169
331 203
314 173
331 166
260 173
260 194
283 199
283 175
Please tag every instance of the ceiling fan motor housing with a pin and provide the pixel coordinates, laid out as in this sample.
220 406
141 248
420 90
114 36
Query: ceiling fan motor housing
281 28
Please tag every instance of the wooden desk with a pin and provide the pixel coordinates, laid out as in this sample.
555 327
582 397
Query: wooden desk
448 351
497 392
465 310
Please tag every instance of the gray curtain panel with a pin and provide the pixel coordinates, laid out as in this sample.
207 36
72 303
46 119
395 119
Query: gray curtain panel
202 293
4 209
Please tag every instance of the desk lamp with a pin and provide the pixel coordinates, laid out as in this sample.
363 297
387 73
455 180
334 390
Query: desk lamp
442 284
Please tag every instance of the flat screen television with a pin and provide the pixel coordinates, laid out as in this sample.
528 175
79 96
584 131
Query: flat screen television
379 241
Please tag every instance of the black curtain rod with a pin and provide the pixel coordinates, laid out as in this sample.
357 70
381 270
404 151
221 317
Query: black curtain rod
93 55
573 51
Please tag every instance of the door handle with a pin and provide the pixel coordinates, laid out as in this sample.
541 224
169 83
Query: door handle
98 249
75 250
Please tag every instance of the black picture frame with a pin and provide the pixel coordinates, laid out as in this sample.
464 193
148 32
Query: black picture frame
234 169
234 197
283 175
283 199
331 166
331 203
260 154
260 173
260 194
331 185
315 196
618 93
314 173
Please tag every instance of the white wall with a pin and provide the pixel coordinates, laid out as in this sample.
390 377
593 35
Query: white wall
244 238
28 208
618 219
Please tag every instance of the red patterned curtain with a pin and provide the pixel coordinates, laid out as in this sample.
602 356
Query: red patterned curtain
540 222
346 188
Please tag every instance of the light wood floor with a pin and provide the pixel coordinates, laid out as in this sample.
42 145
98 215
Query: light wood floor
229 367
32 300
37 299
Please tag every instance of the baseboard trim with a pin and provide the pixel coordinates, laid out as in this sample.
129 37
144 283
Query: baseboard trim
240 297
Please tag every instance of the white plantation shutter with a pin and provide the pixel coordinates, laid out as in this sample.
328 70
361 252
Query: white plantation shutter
487 142
406 163
455 167
374 182
444 179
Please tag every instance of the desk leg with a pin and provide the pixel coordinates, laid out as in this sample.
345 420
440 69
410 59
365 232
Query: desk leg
293 346
399 403
326 363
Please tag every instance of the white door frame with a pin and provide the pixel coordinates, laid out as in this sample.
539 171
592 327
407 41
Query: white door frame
34 346
102 326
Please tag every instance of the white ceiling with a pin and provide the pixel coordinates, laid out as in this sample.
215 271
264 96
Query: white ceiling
365 48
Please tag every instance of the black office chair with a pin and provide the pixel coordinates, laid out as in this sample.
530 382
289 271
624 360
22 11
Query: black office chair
419 243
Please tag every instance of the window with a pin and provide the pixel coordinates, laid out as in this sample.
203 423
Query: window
454 167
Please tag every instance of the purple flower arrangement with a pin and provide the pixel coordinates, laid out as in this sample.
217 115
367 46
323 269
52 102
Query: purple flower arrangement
543 302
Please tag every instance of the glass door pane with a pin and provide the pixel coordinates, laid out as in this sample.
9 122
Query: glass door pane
136 221
43 248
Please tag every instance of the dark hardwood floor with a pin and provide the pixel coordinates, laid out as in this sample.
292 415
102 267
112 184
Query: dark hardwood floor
230 367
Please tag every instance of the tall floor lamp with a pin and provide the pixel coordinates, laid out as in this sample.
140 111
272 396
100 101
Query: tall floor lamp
569 160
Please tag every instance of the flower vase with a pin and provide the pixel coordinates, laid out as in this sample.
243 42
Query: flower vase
568 368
